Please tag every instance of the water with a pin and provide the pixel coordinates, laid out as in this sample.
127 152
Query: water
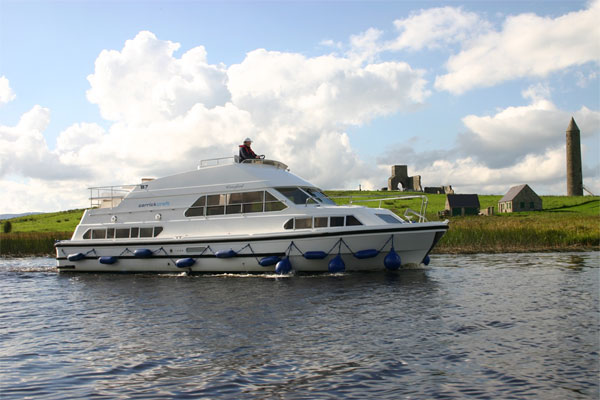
480 326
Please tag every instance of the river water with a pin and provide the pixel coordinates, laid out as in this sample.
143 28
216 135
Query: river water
469 326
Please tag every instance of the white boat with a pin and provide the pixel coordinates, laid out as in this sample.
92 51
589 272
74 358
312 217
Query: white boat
253 216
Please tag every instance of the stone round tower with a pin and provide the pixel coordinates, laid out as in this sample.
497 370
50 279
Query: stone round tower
574 175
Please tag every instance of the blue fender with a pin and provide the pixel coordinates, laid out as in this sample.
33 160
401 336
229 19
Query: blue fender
76 257
284 266
143 253
225 253
370 253
337 264
268 261
107 260
426 260
185 262
315 255
392 261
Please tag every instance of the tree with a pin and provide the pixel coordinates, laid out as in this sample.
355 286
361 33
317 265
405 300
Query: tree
7 227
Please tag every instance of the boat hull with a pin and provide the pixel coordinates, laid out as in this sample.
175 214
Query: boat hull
242 255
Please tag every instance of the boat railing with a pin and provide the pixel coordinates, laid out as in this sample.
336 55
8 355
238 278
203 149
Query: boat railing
109 196
408 213
211 162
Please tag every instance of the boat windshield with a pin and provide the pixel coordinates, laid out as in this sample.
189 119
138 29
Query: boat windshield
296 194
320 196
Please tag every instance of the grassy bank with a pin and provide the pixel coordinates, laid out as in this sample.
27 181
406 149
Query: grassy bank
565 224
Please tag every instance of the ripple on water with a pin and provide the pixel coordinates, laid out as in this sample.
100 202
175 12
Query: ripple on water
476 326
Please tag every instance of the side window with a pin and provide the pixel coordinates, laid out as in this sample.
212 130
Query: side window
351 220
110 233
289 224
157 230
272 204
146 232
135 232
87 234
122 233
321 222
303 223
336 221
253 201
215 204
196 209
295 194
98 233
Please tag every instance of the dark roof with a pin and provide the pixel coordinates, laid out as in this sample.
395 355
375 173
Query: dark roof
513 192
463 200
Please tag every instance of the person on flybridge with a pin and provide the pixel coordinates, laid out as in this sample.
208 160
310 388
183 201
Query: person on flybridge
246 151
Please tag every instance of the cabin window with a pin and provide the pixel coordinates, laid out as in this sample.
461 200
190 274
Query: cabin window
336 221
233 209
235 203
303 223
197 209
321 222
146 232
390 219
215 200
215 204
351 220
215 210
295 194
98 233
195 212
157 230
274 206
135 232
122 233
289 224
110 233
87 234
320 196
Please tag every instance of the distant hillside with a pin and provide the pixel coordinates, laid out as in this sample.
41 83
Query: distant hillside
62 221
9 216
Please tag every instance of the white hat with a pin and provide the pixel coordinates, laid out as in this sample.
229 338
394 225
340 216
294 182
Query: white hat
247 140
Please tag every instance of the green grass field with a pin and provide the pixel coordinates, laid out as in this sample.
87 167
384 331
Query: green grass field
565 223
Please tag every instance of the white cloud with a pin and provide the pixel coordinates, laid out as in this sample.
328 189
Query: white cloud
144 82
24 151
527 46
326 91
433 27
6 93
169 112
517 132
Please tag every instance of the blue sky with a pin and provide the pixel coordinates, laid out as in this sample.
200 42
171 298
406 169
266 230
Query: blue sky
372 96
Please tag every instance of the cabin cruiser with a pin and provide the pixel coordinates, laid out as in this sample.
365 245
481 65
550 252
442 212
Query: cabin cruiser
253 216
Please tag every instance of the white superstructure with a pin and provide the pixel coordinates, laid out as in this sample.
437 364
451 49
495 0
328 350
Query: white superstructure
239 217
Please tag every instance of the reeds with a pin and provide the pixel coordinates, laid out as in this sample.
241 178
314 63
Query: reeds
30 243
527 234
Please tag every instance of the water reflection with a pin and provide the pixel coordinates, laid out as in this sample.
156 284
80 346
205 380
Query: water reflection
491 326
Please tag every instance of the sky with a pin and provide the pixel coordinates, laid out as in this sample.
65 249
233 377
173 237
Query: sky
473 94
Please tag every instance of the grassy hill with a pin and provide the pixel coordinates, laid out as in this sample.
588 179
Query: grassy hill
565 223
